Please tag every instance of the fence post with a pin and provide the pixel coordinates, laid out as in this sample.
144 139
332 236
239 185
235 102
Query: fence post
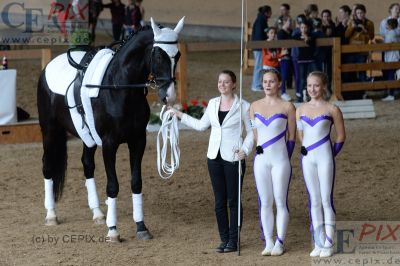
182 69
337 70
46 57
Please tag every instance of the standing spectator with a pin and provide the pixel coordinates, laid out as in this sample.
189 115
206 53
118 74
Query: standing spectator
258 34
320 53
95 8
342 22
306 60
271 56
117 18
328 26
391 36
394 10
294 53
284 33
142 11
311 12
133 17
285 15
359 31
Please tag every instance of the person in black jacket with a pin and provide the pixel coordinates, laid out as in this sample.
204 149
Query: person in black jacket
258 34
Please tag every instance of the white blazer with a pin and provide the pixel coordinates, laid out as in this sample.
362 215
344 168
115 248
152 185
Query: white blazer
226 137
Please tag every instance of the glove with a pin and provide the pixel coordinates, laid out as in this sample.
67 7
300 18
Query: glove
336 148
290 147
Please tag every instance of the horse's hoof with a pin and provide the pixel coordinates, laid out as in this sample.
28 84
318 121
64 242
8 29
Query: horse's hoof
51 221
144 235
113 239
99 220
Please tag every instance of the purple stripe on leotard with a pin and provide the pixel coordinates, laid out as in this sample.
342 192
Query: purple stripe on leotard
280 240
329 239
318 143
273 140
267 121
313 122
287 191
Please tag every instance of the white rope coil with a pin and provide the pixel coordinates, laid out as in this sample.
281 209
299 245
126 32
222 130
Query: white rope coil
169 132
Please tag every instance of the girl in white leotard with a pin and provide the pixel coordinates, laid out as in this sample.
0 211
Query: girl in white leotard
314 122
274 126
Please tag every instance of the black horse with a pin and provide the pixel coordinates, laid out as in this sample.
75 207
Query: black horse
121 113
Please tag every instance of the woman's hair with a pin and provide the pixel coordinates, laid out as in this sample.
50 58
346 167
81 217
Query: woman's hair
393 5
326 11
286 6
273 71
361 7
310 8
229 73
346 9
324 80
264 9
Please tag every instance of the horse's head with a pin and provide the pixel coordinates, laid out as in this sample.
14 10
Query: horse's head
164 58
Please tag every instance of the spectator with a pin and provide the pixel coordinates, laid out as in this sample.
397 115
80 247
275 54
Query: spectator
284 33
342 22
320 53
95 8
271 56
117 18
306 60
133 18
295 54
391 36
142 11
258 34
285 15
311 12
394 10
359 31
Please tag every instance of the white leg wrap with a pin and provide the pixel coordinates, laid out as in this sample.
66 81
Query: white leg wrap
111 212
49 202
93 199
137 202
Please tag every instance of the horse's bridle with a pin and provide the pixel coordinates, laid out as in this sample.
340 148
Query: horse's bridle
153 81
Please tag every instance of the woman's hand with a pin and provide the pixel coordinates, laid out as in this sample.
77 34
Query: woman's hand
241 154
176 112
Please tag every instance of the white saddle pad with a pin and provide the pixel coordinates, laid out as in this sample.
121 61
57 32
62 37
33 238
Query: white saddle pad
59 76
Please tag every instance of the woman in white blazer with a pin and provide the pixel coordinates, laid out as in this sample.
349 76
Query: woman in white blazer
224 153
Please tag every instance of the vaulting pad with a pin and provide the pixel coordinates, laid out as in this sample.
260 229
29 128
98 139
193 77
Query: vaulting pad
60 75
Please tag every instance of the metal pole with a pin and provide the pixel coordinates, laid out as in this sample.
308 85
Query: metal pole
240 127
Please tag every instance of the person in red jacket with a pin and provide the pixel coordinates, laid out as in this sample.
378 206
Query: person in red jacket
271 56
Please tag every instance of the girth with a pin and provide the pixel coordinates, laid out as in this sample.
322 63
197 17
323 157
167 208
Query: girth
81 69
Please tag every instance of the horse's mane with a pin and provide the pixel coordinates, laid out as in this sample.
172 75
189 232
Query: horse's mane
137 39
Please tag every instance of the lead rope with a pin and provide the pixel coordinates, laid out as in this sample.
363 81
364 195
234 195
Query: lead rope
170 137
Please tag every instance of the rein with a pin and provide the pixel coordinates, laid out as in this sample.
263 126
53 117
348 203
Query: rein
152 81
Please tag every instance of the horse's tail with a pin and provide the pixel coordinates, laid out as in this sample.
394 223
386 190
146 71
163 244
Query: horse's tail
54 139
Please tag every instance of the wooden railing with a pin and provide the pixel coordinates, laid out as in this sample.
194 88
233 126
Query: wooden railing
337 66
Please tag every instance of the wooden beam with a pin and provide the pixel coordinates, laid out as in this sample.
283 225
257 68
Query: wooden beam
358 48
370 66
336 75
376 85
287 43
212 46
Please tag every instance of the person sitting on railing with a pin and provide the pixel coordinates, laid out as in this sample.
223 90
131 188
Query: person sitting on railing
391 36
359 31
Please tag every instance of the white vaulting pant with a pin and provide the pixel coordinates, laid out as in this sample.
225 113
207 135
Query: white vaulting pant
272 172
318 167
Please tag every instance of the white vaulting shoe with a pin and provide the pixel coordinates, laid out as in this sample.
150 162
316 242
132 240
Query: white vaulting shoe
388 98
268 249
326 252
278 249
316 252
286 97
